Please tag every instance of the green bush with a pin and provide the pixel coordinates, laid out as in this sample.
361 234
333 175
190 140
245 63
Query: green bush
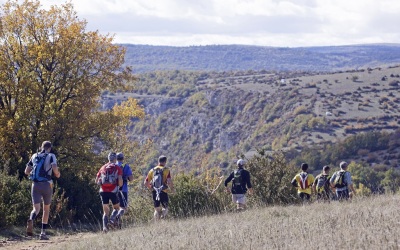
15 200
271 177
198 195
77 201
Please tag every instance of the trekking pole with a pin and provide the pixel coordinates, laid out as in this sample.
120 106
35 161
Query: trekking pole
219 184
123 198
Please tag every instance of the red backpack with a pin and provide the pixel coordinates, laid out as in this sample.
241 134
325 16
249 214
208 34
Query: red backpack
109 177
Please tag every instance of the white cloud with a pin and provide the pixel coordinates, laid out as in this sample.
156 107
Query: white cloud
259 22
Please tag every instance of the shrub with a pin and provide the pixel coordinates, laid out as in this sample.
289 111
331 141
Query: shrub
198 194
15 200
16 204
271 177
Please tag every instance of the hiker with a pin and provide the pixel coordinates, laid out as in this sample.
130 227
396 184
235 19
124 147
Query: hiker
240 178
109 178
303 182
341 181
159 181
40 168
321 185
123 191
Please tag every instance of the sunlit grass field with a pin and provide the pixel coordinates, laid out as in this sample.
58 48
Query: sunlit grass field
364 223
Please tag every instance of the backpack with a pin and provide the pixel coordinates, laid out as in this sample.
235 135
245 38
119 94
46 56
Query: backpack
303 180
322 183
157 181
339 180
38 173
109 175
237 178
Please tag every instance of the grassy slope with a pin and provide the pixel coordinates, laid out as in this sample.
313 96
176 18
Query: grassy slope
370 223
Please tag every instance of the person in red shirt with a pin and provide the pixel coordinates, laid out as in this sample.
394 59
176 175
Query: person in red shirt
109 178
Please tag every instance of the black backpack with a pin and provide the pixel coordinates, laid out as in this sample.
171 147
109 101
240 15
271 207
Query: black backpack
322 183
237 180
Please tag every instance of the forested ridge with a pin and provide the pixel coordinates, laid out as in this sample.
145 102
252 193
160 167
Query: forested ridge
147 58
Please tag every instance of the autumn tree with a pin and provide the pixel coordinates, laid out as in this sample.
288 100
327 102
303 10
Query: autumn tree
52 74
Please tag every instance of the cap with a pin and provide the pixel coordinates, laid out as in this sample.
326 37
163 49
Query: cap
112 156
240 162
343 164
120 156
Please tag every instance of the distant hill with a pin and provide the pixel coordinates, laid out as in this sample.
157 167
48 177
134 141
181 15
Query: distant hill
146 58
192 114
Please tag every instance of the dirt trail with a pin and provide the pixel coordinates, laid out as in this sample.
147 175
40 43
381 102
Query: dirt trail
33 243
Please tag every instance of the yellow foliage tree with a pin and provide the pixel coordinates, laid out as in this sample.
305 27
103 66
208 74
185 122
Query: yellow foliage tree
52 73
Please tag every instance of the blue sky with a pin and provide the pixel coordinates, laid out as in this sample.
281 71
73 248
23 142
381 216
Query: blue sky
290 23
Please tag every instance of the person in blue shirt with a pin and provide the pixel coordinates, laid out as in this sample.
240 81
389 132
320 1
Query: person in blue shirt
123 191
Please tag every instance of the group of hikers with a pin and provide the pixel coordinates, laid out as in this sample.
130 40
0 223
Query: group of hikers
339 186
113 178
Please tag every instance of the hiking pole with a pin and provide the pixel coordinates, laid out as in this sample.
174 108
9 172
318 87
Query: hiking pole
123 198
219 184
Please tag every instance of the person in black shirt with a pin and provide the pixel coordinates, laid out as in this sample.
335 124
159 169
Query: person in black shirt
240 184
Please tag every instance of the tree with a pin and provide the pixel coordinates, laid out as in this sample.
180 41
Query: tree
52 73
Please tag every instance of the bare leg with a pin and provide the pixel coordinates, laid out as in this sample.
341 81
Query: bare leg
157 213
106 212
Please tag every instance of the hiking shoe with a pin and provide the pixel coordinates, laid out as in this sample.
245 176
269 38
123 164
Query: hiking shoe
111 224
43 237
105 230
117 223
29 228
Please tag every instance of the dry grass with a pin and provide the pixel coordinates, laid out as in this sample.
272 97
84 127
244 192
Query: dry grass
369 223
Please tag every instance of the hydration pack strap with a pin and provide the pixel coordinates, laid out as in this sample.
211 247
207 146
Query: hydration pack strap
158 191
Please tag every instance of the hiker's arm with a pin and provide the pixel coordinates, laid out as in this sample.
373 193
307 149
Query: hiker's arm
248 183
130 178
353 190
230 177
350 183
313 189
331 182
56 171
147 182
294 182
170 184
28 169
120 181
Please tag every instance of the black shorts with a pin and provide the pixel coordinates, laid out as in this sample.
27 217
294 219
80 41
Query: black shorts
304 196
107 196
123 199
163 201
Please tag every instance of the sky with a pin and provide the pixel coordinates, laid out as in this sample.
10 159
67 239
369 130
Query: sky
290 23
